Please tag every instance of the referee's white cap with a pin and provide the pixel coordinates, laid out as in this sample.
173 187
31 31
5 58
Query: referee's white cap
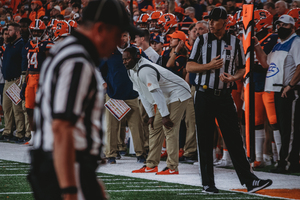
111 12
286 19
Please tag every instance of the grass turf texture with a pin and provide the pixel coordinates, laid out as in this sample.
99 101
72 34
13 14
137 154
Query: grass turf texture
14 185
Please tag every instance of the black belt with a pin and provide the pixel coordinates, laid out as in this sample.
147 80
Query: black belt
13 79
215 92
23 73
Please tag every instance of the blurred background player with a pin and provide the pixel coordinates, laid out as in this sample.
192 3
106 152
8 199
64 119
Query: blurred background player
33 56
153 20
142 41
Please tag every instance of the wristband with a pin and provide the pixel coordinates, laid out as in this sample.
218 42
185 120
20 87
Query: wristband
69 190
177 54
291 85
257 44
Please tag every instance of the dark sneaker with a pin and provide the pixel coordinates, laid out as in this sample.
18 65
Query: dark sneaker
210 189
20 140
118 157
6 137
279 170
111 160
141 159
27 139
122 153
257 185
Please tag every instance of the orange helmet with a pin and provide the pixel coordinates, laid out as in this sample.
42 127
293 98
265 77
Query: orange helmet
167 21
51 23
260 14
153 19
61 29
73 23
264 23
295 13
231 23
39 27
238 16
142 21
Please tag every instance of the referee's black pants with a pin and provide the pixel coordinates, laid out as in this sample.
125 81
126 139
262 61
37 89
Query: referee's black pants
43 180
285 111
207 108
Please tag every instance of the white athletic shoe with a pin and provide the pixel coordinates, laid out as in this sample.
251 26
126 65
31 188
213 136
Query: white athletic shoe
224 163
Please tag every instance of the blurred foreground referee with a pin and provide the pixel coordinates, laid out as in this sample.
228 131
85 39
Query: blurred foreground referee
219 60
68 107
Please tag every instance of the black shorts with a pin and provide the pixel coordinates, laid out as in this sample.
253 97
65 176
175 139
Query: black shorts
43 180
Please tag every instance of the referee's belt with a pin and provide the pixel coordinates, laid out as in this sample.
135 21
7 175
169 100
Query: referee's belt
215 92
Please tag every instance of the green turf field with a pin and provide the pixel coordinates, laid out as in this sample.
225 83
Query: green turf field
14 186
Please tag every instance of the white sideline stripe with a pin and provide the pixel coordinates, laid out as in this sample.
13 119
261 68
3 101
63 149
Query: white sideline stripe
104 176
130 183
237 197
16 193
13 174
205 193
153 186
23 168
119 179
155 190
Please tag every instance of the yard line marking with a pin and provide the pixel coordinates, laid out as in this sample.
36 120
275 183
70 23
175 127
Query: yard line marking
13 174
104 176
165 186
204 193
152 190
23 168
130 183
236 198
119 179
16 193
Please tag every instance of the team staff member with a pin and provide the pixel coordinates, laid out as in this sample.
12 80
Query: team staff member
170 93
282 77
68 108
11 69
219 60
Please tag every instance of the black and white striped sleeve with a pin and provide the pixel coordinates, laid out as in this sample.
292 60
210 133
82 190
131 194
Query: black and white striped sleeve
196 50
71 90
240 57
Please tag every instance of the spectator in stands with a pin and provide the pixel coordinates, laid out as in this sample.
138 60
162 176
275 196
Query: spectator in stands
76 8
37 10
281 8
55 11
142 41
270 6
21 12
231 7
24 23
202 27
157 43
3 20
67 14
11 68
295 4
190 11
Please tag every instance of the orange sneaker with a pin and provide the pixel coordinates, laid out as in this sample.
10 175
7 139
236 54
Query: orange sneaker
164 154
167 171
181 153
257 164
146 169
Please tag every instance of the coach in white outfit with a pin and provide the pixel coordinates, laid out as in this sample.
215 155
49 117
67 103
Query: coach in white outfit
170 93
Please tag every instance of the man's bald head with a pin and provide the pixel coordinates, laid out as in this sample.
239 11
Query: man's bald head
281 7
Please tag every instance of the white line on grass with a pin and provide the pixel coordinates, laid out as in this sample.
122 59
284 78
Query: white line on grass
13 174
16 193
119 179
20 168
119 183
156 190
150 186
105 176
235 197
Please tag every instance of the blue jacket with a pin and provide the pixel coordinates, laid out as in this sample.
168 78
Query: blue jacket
12 60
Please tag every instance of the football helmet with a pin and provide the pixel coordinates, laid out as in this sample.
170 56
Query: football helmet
295 13
37 29
142 21
167 21
263 19
260 14
231 23
60 29
153 19
73 23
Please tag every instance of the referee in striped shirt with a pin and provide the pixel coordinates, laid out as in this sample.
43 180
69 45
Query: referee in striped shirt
69 101
218 59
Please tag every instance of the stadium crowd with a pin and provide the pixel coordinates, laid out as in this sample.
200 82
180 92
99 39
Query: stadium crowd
29 28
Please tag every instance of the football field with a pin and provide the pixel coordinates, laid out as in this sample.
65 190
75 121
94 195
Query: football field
122 184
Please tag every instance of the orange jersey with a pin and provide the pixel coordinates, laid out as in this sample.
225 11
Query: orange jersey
33 15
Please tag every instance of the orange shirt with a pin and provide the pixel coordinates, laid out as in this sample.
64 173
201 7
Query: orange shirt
40 12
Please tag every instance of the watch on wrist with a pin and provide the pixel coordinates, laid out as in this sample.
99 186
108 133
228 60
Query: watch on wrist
69 190
177 54
291 85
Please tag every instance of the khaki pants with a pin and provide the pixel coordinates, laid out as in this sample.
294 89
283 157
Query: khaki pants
12 113
190 147
113 129
27 126
145 126
159 132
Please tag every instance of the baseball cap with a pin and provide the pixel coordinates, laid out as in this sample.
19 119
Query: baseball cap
57 7
37 2
217 13
286 19
110 12
178 35
156 38
146 8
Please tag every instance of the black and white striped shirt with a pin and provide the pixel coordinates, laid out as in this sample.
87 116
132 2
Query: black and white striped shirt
70 89
207 47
